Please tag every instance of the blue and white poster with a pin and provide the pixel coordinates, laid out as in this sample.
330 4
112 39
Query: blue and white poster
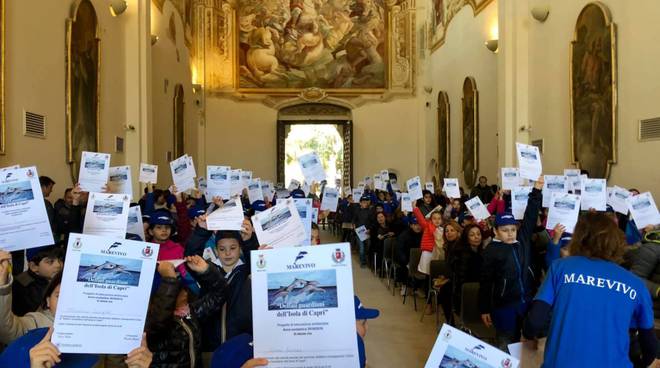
303 309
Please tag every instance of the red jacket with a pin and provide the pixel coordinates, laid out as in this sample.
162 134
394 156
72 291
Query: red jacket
496 206
428 237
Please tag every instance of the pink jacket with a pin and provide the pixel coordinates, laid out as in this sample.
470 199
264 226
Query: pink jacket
170 250
496 206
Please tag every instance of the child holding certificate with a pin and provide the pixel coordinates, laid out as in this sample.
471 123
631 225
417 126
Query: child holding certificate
508 279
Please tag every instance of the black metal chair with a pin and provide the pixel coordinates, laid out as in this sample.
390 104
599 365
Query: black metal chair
414 276
387 261
436 268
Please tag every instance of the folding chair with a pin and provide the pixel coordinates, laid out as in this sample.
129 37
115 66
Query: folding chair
414 276
436 269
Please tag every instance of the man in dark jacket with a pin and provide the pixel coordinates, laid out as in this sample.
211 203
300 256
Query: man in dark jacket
408 239
483 190
509 279
363 215
68 214
646 265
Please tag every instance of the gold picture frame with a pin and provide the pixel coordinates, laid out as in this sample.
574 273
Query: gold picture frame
241 63
442 13
3 127
470 157
593 91
77 139
444 141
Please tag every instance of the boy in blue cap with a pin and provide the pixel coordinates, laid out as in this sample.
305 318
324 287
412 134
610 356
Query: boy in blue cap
363 314
508 278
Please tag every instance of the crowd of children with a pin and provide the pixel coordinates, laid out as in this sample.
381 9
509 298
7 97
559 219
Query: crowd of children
200 310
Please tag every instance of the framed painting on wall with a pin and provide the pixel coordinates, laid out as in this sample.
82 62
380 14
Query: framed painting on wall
340 46
444 148
593 90
470 131
2 77
83 63
442 13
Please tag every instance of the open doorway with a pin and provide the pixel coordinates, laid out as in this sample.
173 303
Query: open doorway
324 139
323 128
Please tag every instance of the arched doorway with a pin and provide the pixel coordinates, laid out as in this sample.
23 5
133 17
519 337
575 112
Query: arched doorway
325 128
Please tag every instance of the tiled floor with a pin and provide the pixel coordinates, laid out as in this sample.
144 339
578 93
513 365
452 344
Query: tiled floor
397 339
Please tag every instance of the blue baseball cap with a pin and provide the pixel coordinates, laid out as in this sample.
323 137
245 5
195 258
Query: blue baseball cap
195 211
412 220
161 217
234 352
259 206
364 313
17 354
505 219
365 198
297 193
146 217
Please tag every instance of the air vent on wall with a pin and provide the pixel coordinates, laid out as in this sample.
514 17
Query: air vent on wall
34 125
649 129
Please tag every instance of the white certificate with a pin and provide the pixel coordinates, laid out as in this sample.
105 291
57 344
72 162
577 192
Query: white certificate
280 226
529 161
395 185
134 223
293 185
235 184
573 177
315 215
552 184
330 199
246 177
455 348
267 190
361 232
217 182
519 197
477 209
229 217
385 175
362 185
254 190
104 295
451 188
618 199
357 194
107 215
94 168
183 173
311 167
379 184
564 209
303 308
12 167
429 186
593 194
643 210
406 202
510 178
305 188
415 188
304 207
148 173
119 180
368 180
202 186
23 219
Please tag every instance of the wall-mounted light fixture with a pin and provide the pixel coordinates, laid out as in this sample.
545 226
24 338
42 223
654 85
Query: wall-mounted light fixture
540 12
492 45
493 37
117 7
154 39
197 88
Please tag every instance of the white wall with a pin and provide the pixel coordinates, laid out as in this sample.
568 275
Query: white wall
464 54
166 69
34 81
639 90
